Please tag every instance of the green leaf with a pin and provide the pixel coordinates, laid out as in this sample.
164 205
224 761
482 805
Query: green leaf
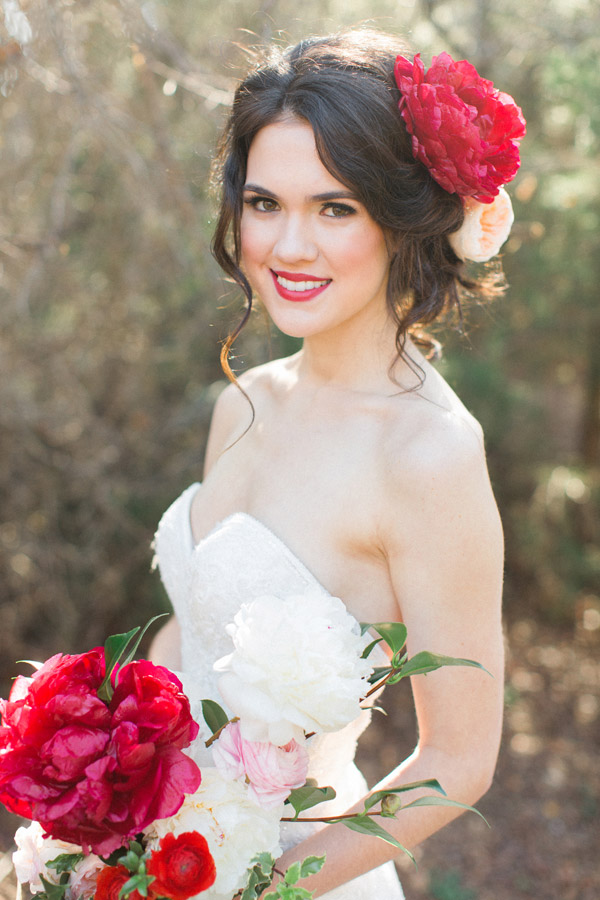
66 862
131 653
308 796
53 891
113 858
425 662
431 783
138 883
114 647
251 891
259 877
311 865
293 892
378 673
130 860
292 874
214 715
264 863
393 633
366 652
366 825
444 801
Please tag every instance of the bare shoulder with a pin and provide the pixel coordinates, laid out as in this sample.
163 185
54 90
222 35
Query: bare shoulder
237 404
442 533
435 472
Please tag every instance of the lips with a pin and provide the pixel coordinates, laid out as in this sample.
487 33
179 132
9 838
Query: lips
298 286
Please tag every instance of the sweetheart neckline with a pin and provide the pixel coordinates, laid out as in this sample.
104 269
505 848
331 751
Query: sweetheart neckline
283 548
288 552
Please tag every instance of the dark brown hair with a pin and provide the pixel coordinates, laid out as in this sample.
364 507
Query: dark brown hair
344 87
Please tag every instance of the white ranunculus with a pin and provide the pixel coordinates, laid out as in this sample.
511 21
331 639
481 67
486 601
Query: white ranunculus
296 667
235 828
34 852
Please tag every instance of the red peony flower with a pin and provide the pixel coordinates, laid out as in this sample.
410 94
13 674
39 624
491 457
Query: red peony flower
182 867
465 131
110 881
91 773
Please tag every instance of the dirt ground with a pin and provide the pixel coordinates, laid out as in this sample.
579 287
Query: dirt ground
544 806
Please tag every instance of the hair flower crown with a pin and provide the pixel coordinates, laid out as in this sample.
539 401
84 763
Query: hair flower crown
467 133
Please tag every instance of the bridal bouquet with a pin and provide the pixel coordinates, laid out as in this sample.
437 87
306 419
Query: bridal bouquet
92 750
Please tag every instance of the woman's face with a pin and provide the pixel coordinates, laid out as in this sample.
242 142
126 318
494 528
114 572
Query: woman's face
310 249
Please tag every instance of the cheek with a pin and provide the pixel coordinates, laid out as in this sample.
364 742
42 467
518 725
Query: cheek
254 243
365 252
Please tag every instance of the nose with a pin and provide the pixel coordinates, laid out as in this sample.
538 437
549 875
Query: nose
295 242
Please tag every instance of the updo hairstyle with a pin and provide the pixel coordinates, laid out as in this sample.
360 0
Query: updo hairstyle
344 87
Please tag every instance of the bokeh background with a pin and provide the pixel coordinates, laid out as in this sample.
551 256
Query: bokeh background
111 317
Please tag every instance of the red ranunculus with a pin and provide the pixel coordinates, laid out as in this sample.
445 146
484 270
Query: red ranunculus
110 881
182 867
465 131
91 773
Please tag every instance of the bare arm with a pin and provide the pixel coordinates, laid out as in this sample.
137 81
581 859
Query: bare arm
445 558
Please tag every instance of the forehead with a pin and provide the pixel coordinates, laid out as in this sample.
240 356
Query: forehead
284 155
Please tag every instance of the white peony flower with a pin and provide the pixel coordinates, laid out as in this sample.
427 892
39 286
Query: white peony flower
34 852
235 828
296 667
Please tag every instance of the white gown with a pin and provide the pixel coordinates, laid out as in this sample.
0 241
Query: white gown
238 560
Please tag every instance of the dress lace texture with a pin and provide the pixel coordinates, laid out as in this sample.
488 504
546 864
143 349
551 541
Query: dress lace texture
238 560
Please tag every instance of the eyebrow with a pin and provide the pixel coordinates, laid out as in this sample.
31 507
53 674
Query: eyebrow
316 198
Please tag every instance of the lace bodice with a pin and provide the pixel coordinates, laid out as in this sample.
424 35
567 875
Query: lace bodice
238 560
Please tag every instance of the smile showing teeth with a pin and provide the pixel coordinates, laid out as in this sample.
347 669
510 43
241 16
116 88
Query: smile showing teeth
301 285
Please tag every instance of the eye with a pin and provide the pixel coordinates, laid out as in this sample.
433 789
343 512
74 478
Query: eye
337 210
261 204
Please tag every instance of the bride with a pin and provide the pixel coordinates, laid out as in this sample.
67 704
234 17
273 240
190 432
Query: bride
351 466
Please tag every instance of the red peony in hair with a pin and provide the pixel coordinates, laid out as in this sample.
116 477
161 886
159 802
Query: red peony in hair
465 131
182 867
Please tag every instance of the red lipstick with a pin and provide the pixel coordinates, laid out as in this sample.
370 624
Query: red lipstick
297 277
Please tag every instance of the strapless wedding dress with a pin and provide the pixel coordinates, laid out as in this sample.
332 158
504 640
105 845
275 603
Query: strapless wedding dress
238 560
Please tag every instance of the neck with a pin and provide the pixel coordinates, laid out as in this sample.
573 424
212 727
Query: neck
362 359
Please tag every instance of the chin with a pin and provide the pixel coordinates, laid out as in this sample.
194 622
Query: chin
295 323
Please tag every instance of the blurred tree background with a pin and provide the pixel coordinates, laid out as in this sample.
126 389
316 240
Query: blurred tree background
112 312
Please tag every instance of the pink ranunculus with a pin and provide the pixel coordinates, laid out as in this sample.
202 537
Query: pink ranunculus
485 228
228 752
272 772
82 882
465 131
92 773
